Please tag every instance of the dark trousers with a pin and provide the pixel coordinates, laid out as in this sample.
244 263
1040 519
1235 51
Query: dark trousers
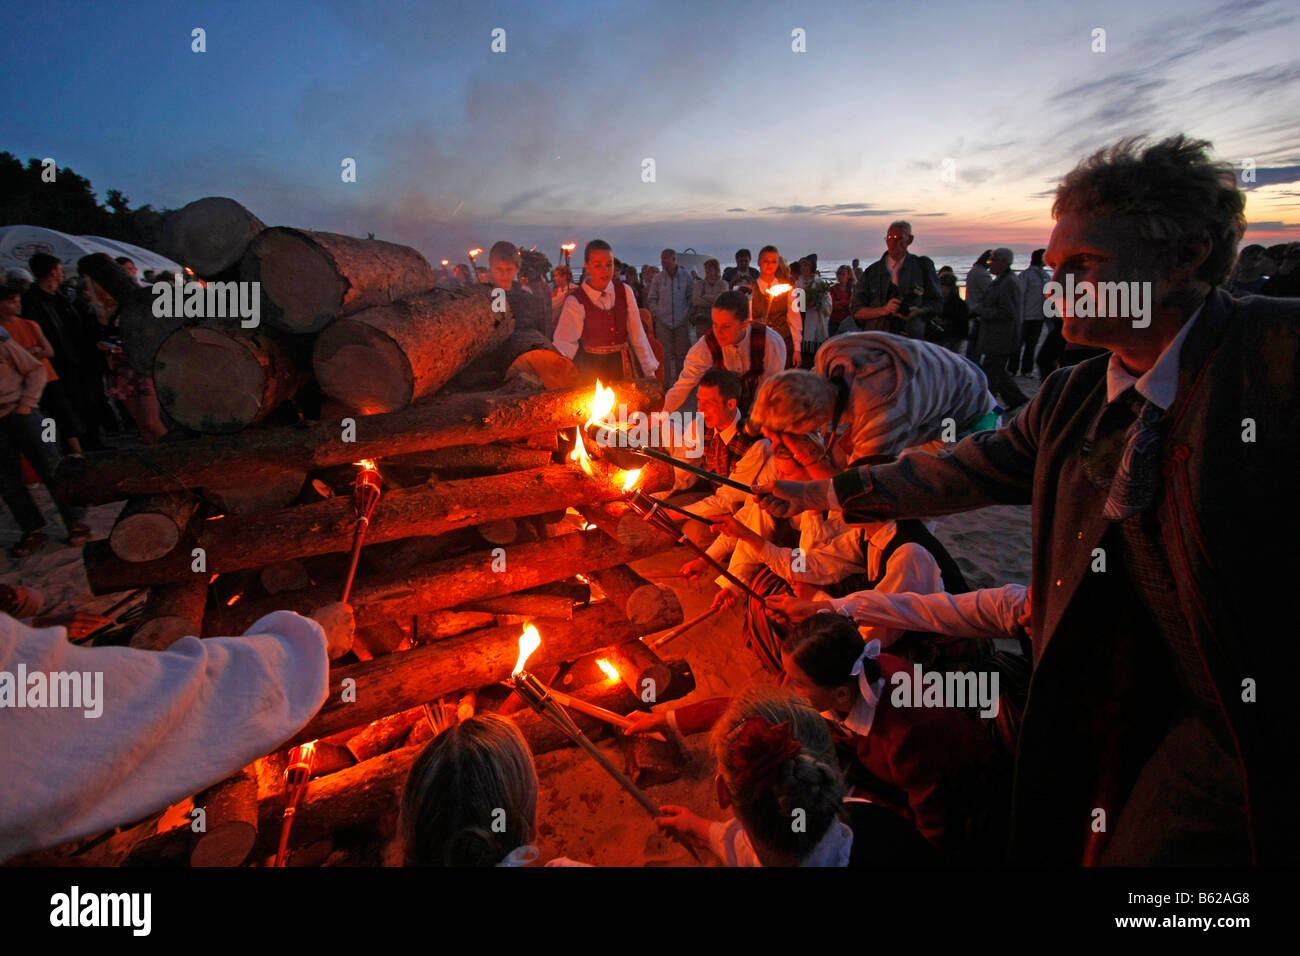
971 352
1030 330
21 435
56 402
1001 384
1049 356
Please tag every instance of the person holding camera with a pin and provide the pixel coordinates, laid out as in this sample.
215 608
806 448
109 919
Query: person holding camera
899 292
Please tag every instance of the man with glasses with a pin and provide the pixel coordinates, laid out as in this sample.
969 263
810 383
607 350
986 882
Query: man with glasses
899 292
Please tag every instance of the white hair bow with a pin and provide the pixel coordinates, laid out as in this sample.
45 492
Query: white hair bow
871 651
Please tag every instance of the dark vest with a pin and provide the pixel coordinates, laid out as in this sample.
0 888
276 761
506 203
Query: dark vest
772 310
757 359
603 330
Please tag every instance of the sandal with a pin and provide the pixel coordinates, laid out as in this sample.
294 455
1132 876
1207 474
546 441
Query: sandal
78 534
30 542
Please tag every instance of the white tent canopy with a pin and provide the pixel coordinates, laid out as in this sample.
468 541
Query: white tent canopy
20 243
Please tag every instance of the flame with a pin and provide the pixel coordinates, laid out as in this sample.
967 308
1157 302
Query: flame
579 454
367 463
529 641
234 598
774 290
568 246
610 670
445 263
475 252
630 478
602 403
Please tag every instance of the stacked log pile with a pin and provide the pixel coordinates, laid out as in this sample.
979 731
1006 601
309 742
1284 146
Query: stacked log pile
477 531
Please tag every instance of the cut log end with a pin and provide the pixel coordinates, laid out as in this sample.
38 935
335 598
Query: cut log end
300 279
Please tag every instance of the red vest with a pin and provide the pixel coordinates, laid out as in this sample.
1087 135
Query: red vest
757 359
603 330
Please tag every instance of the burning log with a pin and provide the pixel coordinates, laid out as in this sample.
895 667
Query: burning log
230 819
172 611
218 381
643 671
311 278
209 235
447 584
233 543
255 455
399 681
384 358
150 527
639 600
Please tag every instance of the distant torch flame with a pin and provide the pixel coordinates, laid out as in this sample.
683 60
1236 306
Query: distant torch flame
774 290
366 463
529 641
610 670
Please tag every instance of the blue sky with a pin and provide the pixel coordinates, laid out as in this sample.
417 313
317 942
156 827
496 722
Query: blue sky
458 146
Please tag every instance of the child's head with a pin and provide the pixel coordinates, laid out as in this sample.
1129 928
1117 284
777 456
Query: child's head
776 758
818 657
796 400
11 303
503 259
471 797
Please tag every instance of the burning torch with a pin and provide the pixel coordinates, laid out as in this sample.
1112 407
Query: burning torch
365 495
473 261
567 248
302 759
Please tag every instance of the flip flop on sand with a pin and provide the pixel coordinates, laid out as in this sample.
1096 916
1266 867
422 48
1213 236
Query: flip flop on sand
78 534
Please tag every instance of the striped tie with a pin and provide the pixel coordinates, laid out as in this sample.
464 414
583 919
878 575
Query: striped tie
1134 486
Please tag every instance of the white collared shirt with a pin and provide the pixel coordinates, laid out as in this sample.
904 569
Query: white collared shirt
730 842
863 712
1159 384
735 358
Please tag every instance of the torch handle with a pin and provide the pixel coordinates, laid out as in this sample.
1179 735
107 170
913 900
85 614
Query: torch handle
358 537
637 794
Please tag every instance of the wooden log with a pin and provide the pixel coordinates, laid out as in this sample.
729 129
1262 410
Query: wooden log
466 460
500 531
172 611
209 235
234 542
445 584
552 606
383 734
271 491
220 380
380 639
642 670
284 576
230 820
392 556
311 278
638 598
384 358
251 456
151 526
390 684
531 359
436 625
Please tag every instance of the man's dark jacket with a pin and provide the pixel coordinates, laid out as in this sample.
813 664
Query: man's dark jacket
1228 530
999 332
916 272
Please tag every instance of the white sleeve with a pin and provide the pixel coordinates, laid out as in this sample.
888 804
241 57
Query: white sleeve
774 356
697 362
748 471
568 330
636 335
169 723
795 318
731 844
987 613
826 558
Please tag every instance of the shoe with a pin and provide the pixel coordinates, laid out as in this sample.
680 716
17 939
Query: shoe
30 542
79 533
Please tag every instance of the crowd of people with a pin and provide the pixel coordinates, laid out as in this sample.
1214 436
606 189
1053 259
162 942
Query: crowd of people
1147 639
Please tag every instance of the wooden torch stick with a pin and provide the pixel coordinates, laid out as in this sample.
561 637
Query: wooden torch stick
681 629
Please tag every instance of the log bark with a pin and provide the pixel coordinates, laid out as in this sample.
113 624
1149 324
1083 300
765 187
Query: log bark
552 606
172 611
384 358
284 576
218 381
273 491
311 278
254 455
471 460
230 811
209 235
446 584
232 543
532 359
400 681
151 526
383 734
640 600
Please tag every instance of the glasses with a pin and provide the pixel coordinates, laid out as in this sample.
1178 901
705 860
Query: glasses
894 235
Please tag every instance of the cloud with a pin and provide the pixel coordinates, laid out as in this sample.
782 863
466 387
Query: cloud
1273 176
736 209
830 209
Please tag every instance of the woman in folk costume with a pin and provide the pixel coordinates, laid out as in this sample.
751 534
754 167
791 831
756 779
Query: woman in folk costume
934 765
777 772
600 325
777 309
471 799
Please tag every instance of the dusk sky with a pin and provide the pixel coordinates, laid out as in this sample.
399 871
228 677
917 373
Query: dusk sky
458 146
